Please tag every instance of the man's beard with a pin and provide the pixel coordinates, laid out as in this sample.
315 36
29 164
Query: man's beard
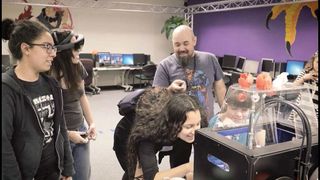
185 60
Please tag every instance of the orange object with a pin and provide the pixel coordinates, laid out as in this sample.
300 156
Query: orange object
242 97
94 52
245 80
264 81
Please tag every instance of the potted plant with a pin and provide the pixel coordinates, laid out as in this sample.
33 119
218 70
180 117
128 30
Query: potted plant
171 24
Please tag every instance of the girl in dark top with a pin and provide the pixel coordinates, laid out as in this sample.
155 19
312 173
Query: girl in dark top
161 119
35 143
70 73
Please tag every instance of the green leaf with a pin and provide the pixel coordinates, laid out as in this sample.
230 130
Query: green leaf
167 34
170 24
170 34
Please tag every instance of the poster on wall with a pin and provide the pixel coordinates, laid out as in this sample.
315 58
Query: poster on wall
53 17
292 12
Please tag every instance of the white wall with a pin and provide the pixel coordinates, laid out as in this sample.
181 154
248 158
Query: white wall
114 31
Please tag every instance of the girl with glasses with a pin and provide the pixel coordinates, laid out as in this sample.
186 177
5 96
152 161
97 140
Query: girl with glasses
34 137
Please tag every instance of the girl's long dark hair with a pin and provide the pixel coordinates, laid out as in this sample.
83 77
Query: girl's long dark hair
63 67
159 119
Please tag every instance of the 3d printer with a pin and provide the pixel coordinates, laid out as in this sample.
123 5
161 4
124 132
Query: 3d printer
276 139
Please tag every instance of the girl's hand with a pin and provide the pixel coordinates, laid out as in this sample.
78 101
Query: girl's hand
75 137
92 132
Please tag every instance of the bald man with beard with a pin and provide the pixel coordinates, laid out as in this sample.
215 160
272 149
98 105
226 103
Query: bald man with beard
199 71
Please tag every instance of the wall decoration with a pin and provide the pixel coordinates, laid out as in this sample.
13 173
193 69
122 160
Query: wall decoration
51 17
291 17
26 14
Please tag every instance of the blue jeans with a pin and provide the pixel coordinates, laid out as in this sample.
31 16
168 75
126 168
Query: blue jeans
81 156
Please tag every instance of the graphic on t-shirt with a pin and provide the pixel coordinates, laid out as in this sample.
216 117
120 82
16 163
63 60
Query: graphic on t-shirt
197 83
45 108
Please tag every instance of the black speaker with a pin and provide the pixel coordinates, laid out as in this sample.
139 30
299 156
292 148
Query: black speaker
220 59
147 58
283 67
219 158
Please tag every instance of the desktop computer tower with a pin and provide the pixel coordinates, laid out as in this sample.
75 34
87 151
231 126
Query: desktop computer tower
147 58
239 162
220 59
139 59
276 69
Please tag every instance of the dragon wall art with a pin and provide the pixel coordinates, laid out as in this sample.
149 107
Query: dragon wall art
292 12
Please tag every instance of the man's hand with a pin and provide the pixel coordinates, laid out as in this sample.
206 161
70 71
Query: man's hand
178 86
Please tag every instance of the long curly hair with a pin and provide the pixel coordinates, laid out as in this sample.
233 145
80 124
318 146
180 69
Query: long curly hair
159 119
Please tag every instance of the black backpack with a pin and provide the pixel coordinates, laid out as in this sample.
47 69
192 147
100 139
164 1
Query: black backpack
128 103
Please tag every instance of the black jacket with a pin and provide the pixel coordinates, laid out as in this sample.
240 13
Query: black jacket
22 134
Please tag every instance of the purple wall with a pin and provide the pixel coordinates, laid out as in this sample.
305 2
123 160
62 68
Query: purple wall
243 33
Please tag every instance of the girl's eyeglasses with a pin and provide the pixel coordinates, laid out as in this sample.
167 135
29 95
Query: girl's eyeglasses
50 48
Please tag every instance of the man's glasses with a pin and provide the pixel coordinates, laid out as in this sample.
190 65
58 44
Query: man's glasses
50 48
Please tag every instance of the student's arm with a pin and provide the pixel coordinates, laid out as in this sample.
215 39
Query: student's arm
220 91
302 77
68 169
149 165
10 167
87 114
180 171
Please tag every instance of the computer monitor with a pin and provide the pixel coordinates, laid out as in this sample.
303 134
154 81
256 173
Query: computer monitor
229 61
86 56
139 59
127 59
251 66
294 67
267 65
116 59
241 61
104 58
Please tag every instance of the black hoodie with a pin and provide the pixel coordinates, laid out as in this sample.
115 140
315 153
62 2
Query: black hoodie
22 135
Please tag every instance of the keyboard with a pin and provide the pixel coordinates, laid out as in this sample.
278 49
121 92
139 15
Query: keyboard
232 69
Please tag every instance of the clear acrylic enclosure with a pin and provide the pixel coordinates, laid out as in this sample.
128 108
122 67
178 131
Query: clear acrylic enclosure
258 118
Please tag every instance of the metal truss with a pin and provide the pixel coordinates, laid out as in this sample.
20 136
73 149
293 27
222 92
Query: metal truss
108 5
189 19
226 5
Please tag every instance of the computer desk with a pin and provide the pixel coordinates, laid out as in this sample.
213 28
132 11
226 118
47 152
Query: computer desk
119 76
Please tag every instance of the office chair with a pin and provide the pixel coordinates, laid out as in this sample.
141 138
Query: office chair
89 88
147 74
230 80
